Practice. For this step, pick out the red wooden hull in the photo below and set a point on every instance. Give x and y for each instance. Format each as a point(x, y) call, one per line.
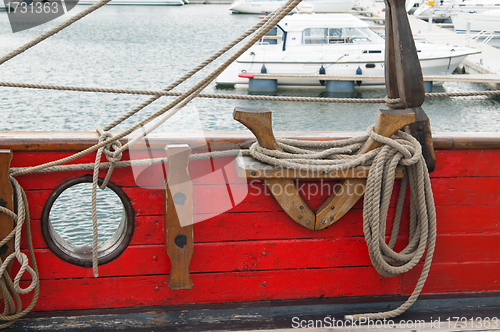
point(254, 251)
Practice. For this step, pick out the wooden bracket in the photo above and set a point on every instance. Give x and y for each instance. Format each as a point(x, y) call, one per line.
point(178, 216)
point(350, 191)
point(259, 121)
point(284, 190)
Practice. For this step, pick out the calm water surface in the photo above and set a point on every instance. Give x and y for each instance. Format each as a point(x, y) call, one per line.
point(149, 47)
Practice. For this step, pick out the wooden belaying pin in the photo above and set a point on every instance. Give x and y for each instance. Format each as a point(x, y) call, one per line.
point(178, 216)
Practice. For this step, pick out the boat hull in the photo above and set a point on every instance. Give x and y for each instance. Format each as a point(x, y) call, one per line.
point(247, 248)
point(138, 2)
point(483, 21)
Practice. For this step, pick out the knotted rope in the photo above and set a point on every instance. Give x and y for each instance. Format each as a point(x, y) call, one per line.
point(340, 155)
point(11, 288)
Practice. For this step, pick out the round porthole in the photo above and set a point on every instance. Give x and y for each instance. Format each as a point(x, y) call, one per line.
point(67, 222)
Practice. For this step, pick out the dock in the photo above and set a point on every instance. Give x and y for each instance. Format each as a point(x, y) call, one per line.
point(484, 63)
point(471, 78)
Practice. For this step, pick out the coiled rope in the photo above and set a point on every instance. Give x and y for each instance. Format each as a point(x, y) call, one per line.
point(11, 288)
point(340, 155)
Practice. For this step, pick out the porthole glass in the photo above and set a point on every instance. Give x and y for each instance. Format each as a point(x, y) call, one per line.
point(67, 221)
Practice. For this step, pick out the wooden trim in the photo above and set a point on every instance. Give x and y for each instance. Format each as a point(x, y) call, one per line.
point(77, 141)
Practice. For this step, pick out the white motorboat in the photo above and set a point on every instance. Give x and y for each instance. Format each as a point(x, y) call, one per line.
point(442, 10)
point(488, 21)
point(331, 44)
point(318, 6)
point(138, 2)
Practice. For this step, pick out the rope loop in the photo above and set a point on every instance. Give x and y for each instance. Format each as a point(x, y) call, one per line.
point(11, 288)
point(394, 103)
point(112, 151)
point(342, 154)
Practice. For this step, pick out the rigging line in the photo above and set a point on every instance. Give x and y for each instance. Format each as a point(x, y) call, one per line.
point(201, 95)
point(234, 96)
point(283, 10)
point(188, 74)
point(53, 31)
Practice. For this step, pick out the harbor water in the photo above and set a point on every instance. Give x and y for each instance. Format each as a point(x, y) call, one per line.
point(148, 47)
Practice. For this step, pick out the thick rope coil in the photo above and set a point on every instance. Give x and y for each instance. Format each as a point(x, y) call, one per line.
point(11, 288)
point(406, 152)
point(340, 155)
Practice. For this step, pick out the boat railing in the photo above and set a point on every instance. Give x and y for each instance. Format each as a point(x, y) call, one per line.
point(485, 35)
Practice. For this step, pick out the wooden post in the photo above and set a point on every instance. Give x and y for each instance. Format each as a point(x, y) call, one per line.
point(178, 216)
point(403, 75)
point(6, 200)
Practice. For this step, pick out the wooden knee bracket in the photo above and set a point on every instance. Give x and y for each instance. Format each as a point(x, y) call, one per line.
point(178, 216)
point(283, 188)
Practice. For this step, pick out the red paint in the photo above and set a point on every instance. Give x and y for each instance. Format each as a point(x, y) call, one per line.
point(254, 251)
point(245, 75)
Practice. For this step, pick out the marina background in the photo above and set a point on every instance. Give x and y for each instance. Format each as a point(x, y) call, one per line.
point(147, 47)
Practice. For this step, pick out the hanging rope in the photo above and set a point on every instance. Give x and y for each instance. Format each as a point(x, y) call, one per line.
point(340, 155)
point(11, 288)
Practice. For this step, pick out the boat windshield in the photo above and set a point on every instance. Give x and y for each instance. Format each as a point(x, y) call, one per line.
point(339, 36)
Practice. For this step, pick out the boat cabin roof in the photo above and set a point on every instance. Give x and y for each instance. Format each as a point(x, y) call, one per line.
point(299, 22)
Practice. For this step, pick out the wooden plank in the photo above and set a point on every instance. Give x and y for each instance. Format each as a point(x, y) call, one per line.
point(211, 171)
point(447, 191)
point(87, 293)
point(466, 191)
point(76, 141)
point(253, 226)
point(462, 277)
point(262, 285)
point(269, 255)
point(247, 167)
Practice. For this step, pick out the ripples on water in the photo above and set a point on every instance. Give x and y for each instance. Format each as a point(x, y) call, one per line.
point(149, 47)
point(71, 214)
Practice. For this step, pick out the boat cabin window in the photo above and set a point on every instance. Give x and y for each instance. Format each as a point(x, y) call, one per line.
point(339, 36)
point(315, 36)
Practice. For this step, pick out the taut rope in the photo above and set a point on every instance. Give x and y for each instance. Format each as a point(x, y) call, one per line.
point(340, 155)
point(393, 103)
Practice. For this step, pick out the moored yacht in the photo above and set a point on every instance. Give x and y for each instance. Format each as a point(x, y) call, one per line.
point(478, 21)
point(330, 44)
